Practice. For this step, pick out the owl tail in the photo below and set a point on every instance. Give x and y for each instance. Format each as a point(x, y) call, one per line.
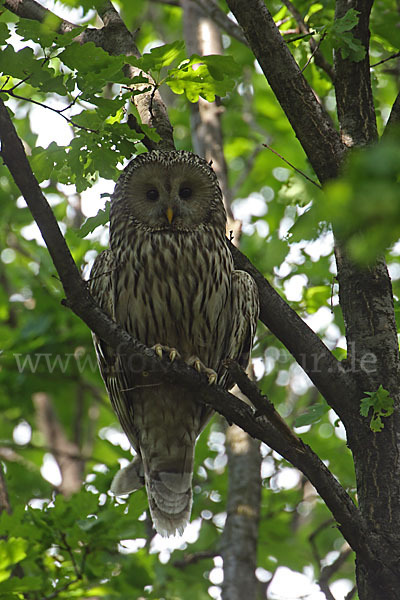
point(168, 481)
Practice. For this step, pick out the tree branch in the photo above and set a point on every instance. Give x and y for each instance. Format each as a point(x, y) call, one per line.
point(324, 370)
point(80, 301)
point(355, 105)
point(309, 120)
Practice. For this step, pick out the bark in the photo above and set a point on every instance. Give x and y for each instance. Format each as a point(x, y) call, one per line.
point(239, 540)
point(355, 106)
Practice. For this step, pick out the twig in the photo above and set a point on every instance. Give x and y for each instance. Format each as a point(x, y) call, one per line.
point(300, 37)
point(314, 52)
point(62, 588)
point(385, 60)
point(68, 549)
point(312, 537)
point(351, 593)
point(9, 92)
point(293, 167)
point(261, 403)
point(319, 57)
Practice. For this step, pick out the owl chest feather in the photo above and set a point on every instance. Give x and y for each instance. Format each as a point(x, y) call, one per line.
point(175, 289)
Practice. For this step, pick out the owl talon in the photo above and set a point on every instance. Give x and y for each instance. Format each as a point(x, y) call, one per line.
point(172, 353)
point(196, 363)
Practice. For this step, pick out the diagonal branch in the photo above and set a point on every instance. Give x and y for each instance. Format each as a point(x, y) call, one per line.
point(324, 370)
point(235, 410)
point(309, 120)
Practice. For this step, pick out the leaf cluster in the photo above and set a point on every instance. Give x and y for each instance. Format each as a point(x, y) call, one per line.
point(382, 406)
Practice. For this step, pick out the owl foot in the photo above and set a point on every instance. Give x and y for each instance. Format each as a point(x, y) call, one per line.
point(195, 362)
point(160, 350)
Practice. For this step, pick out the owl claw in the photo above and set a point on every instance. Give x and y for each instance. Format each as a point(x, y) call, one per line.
point(196, 363)
point(159, 349)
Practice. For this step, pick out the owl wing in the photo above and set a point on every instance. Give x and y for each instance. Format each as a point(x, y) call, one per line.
point(245, 311)
point(101, 286)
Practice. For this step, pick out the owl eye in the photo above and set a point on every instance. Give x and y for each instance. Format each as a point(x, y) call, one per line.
point(152, 194)
point(185, 192)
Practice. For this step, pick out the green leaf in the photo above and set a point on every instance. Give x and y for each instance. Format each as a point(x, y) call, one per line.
point(94, 66)
point(4, 33)
point(205, 76)
point(44, 161)
point(382, 406)
point(350, 46)
point(18, 64)
point(17, 585)
point(347, 22)
point(313, 415)
point(102, 218)
point(159, 57)
point(38, 32)
point(12, 551)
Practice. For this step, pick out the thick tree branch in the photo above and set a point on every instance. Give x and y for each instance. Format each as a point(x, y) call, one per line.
point(310, 122)
point(324, 370)
point(355, 105)
point(80, 301)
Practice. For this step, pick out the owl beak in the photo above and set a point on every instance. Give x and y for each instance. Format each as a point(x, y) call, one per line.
point(170, 214)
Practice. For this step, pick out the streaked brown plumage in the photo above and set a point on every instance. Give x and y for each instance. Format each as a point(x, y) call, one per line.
point(169, 279)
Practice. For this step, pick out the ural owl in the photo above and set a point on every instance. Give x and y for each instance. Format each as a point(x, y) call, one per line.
point(169, 280)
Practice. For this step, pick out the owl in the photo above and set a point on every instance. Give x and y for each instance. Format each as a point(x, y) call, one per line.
point(168, 279)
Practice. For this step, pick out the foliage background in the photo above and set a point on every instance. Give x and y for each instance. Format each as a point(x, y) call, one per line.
point(70, 539)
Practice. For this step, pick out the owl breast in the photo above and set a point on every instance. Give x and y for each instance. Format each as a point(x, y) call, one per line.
point(172, 290)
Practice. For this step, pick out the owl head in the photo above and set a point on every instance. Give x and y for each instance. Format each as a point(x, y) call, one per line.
point(171, 191)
